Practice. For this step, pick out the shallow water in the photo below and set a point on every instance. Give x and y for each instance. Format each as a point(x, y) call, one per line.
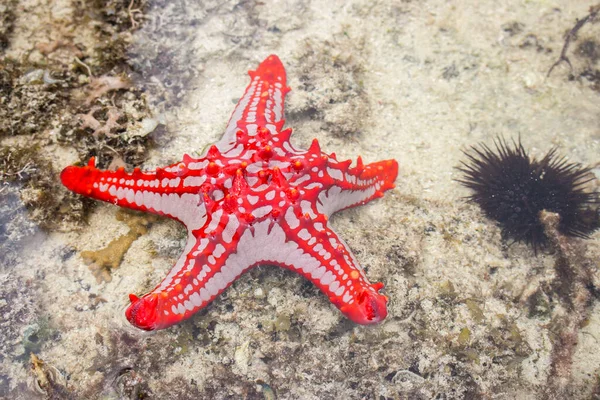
point(142, 83)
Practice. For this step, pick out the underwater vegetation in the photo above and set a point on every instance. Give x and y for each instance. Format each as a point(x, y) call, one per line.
point(103, 261)
point(467, 319)
point(513, 188)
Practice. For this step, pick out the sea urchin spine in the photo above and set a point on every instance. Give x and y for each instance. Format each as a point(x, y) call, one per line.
point(512, 188)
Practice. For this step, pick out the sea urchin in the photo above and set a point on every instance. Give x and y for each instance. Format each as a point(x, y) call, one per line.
point(512, 188)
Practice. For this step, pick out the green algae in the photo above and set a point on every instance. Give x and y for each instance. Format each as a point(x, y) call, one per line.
point(267, 391)
point(464, 336)
point(283, 323)
point(447, 290)
point(475, 310)
point(36, 335)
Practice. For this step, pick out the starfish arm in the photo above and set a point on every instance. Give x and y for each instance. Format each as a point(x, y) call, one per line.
point(160, 192)
point(262, 104)
point(349, 187)
point(325, 260)
point(204, 270)
point(311, 248)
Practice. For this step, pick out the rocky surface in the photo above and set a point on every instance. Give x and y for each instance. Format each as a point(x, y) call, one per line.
point(140, 83)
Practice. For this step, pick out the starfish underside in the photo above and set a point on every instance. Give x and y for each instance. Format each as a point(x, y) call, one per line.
point(253, 198)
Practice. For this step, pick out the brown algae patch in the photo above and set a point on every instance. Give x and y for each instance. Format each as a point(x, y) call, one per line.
point(31, 97)
point(103, 261)
point(25, 174)
point(7, 18)
point(47, 380)
point(69, 88)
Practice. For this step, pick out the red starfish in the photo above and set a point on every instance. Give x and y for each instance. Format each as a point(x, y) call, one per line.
point(252, 199)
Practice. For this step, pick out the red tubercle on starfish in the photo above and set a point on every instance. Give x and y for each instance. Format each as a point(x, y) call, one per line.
point(253, 198)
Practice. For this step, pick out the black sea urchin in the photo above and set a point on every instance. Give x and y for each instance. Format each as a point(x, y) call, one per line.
point(512, 189)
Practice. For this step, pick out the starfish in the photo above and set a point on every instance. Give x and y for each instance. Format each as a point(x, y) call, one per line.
point(252, 198)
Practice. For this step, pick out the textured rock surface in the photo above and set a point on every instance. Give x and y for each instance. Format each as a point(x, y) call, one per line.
point(471, 316)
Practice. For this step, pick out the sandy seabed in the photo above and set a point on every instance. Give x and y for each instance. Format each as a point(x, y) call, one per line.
point(470, 315)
